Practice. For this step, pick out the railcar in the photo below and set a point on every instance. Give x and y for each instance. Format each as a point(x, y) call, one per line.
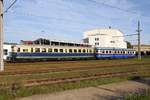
point(111, 53)
point(46, 52)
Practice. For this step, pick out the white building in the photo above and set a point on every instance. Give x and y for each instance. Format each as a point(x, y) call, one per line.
point(7, 49)
point(105, 38)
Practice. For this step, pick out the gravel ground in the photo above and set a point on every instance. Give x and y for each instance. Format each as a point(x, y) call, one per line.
point(104, 92)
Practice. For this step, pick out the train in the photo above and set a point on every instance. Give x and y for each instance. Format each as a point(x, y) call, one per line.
point(62, 51)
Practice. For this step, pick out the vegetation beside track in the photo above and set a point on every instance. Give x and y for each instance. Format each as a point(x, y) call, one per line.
point(73, 69)
point(145, 95)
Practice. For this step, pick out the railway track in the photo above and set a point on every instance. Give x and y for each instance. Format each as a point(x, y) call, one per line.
point(47, 70)
point(38, 82)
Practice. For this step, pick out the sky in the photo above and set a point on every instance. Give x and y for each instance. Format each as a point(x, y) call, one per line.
point(66, 20)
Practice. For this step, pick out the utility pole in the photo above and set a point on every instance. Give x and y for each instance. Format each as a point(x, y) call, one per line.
point(1, 36)
point(139, 41)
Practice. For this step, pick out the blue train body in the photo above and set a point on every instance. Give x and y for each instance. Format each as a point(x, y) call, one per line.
point(67, 53)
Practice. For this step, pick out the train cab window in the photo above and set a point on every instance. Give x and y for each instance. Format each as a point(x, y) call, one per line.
point(61, 50)
point(37, 49)
point(70, 50)
point(84, 51)
point(75, 50)
point(79, 50)
point(18, 50)
point(49, 49)
point(43, 49)
point(5, 52)
point(55, 50)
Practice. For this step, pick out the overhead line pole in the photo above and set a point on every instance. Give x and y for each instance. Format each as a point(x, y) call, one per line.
point(1, 36)
point(139, 40)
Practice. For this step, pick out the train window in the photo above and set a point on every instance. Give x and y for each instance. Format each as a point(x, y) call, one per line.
point(103, 51)
point(90, 51)
point(115, 52)
point(61, 50)
point(25, 50)
point(55, 50)
point(49, 49)
point(43, 49)
point(66, 50)
point(79, 50)
point(123, 52)
point(75, 50)
point(106, 51)
point(5, 52)
point(37, 49)
point(18, 50)
point(84, 51)
point(31, 49)
point(87, 51)
point(110, 52)
point(70, 50)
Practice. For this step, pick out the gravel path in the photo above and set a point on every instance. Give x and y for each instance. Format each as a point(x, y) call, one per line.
point(104, 92)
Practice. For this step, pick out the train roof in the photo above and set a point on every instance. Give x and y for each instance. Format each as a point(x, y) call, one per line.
point(110, 48)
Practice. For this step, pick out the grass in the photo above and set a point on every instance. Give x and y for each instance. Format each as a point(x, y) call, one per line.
point(7, 94)
point(140, 96)
point(21, 91)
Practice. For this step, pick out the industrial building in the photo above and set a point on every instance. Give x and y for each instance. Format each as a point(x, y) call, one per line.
point(145, 49)
point(112, 38)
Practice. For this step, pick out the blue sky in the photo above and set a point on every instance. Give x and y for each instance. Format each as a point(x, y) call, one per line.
point(68, 19)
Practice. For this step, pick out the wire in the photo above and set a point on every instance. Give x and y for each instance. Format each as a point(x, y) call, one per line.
point(111, 6)
point(10, 6)
point(126, 35)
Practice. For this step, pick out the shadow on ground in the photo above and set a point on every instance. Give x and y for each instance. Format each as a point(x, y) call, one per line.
point(118, 94)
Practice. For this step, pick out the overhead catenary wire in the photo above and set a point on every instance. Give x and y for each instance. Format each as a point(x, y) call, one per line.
point(11, 5)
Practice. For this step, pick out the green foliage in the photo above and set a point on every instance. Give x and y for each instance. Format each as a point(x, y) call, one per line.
point(141, 96)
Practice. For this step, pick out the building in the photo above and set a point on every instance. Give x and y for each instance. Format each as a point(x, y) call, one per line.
point(111, 38)
point(7, 48)
point(145, 49)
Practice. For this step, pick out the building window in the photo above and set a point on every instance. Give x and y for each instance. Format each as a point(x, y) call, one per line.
point(112, 41)
point(5, 52)
point(96, 39)
point(96, 43)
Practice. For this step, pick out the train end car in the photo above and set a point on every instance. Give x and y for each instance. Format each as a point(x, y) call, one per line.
point(111, 53)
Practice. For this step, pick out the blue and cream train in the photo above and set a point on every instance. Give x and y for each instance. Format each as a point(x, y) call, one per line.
point(25, 52)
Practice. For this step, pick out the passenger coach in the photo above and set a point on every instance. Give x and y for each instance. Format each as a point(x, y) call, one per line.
point(101, 53)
